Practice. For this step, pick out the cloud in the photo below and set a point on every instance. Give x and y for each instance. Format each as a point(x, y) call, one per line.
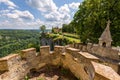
point(52, 15)
point(12, 18)
point(74, 5)
point(16, 24)
point(4, 11)
point(17, 14)
point(57, 19)
point(9, 3)
point(43, 5)
point(60, 16)
point(64, 9)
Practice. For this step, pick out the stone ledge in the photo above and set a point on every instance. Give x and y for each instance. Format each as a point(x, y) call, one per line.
point(44, 46)
point(105, 71)
point(27, 50)
point(88, 55)
point(73, 49)
point(8, 57)
point(59, 46)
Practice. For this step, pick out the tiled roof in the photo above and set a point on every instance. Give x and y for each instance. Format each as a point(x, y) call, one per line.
point(106, 36)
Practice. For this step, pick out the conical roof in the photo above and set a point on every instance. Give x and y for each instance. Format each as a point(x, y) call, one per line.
point(106, 36)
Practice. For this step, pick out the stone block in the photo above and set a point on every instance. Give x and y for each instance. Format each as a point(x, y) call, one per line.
point(44, 50)
point(3, 65)
point(59, 49)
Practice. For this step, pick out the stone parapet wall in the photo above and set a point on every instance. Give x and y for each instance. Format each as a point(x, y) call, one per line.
point(18, 65)
point(105, 52)
point(78, 60)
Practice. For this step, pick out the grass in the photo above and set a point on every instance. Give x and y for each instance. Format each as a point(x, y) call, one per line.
point(71, 35)
point(71, 38)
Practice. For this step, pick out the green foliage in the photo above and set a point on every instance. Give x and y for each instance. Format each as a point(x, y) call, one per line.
point(91, 17)
point(69, 28)
point(43, 28)
point(67, 38)
point(71, 35)
point(18, 40)
point(56, 30)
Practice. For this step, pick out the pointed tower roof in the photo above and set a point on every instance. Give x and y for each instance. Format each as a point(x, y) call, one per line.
point(106, 36)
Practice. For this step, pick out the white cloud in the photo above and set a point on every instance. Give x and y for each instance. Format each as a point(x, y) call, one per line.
point(54, 15)
point(17, 14)
point(56, 19)
point(74, 5)
point(12, 18)
point(16, 24)
point(43, 5)
point(64, 9)
point(9, 3)
point(4, 11)
point(51, 14)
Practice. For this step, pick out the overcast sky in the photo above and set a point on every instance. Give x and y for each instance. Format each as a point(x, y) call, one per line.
point(31, 14)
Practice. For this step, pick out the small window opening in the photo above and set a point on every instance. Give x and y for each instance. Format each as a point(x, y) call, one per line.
point(104, 44)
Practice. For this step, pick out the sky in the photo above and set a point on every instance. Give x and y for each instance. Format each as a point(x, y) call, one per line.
point(31, 14)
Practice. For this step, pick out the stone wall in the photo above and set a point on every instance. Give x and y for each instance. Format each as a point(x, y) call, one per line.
point(106, 54)
point(18, 65)
point(78, 60)
point(98, 50)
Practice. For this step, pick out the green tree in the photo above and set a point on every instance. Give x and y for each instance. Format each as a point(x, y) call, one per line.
point(91, 17)
point(64, 28)
point(43, 28)
point(68, 28)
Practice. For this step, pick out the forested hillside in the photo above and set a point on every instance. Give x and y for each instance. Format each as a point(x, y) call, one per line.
point(12, 41)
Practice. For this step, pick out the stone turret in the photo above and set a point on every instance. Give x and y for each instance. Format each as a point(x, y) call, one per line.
point(105, 39)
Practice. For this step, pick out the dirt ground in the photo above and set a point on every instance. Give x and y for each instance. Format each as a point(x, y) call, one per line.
point(51, 73)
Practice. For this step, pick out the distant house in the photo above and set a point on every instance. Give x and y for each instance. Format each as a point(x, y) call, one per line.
point(56, 30)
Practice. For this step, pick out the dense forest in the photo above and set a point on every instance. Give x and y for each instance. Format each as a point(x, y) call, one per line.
point(91, 19)
point(12, 41)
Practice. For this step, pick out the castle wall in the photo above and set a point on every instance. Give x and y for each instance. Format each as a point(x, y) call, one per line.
point(75, 67)
point(30, 56)
point(98, 50)
point(77, 60)
point(15, 69)
point(103, 51)
point(19, 65)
